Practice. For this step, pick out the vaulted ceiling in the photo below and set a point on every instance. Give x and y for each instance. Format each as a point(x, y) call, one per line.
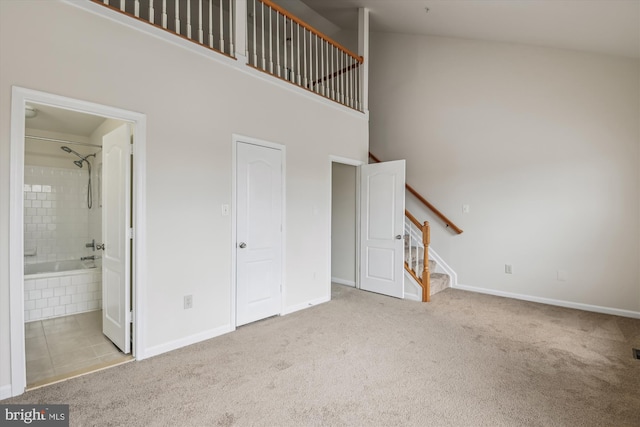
point(601, 26)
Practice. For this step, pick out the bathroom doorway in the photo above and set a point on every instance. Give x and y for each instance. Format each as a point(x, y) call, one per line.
point(65, 195)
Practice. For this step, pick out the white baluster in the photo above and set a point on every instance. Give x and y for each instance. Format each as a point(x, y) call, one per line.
point(278, 43)
point(189, 19)
point(200, 30)
point(152, 12)
point(136, 8)
point(292, 76)
point(221, 27)
point(284, 46)
point(177, 17)
point(298, 52)
point(264, 60)
point(210, 23)
point(304, 56)
point(270, 40)
point(231, 33)
point(255, 29)
point(164, 13)
point(122, 5)
point(317, 81)
point(320, 77)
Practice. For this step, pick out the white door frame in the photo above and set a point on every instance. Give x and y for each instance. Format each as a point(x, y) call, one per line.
point(357, 164)
point(19, 97)
point(236, 139)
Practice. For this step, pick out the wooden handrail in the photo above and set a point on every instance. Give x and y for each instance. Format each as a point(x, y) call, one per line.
point(448, 223)
point(300, 22)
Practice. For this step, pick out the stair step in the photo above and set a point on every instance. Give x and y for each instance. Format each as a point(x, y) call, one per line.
point(438, 283)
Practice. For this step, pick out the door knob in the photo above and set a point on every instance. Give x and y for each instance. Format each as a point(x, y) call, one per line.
point(399, 237)
point(242, 245)
point(100, 247)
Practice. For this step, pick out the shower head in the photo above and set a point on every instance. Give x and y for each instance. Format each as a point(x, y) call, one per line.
point(69, 150)
point(78, 163)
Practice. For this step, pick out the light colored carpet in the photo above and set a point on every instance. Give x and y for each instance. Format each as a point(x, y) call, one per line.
point(363, 359)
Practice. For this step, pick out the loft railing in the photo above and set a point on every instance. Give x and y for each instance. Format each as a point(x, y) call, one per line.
point(208, 23)
point(285, 46)
point(447, 222)
point(277, 42)
point(417, 238)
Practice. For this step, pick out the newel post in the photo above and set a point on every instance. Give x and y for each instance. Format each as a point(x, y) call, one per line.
point(363, 51)
point(426, 274)
point(240, 28)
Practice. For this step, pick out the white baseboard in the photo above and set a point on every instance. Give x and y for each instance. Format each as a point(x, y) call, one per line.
point(304, 305)
point(183, 342)
point(5, 392)
point(351, 283)
point(559, 303)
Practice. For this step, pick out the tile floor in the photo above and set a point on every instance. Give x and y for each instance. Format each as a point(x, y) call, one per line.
point(66, 346)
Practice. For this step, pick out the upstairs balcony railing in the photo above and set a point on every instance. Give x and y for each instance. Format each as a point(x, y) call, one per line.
point(286, 47)
point(277, 42)
point(206, 22)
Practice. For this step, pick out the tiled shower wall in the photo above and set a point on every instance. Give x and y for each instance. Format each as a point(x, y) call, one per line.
point(56, 217)
point(62, 295)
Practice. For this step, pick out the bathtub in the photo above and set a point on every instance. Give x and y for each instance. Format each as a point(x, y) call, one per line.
point(61, 288)
point(57, 266)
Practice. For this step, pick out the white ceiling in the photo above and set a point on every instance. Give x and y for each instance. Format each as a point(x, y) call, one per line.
point(601, 26)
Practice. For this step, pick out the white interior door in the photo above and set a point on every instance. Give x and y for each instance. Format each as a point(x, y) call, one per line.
point(258, 232)
point(116, 222)
point(382, 226)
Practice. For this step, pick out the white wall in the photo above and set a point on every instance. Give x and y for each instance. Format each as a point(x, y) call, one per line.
point(193, 105)
point(543, 144)
point(343, 224)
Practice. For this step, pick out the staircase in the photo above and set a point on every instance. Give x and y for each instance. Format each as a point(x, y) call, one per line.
point(421, 283)
point(426, 273)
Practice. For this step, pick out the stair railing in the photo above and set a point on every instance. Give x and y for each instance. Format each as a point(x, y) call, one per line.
point(286, 47)
point(417, 238)
point(447, 222)
point(209, 23)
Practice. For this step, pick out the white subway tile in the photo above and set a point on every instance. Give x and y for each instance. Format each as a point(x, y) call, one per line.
point(53, 282)
point(59, 292)
point(36, 188)
point(33, 295)
point(47, 293)
point(92, 305)
point(47, 312)
point(82, 306)
point(35, 314)
point(75, 298)
point(59, 310)
point(41, 303)
point(42, 283)
point(29, 285)
point(53, 302)
point(65, 299)
point(29, 305)
point(70, 308)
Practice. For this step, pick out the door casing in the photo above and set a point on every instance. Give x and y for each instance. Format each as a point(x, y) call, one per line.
point(20, 97)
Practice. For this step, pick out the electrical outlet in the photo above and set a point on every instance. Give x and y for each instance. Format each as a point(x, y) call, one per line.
point(465, 209)
point(508, 269)
point(188, 301)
